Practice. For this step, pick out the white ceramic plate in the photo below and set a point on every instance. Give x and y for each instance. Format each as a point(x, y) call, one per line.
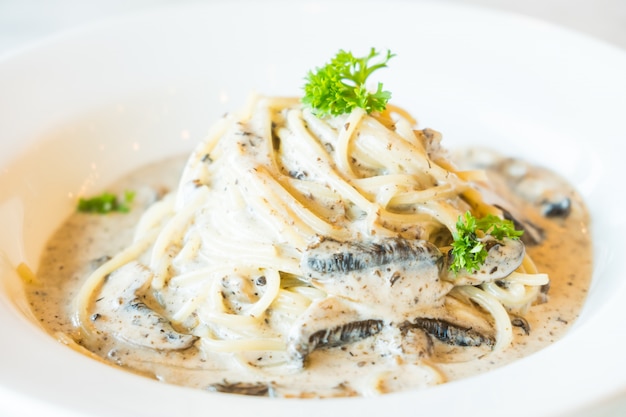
point(82, 109)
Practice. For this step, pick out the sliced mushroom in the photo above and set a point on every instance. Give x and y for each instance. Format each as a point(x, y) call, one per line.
point(328, 323)
point(503, 257)
point(257, 389)
point(448, 332)
point(557, 207)
point(392, 276)
point(331, 257)
point(345, 333)
point(521, 322)
point(122, 309)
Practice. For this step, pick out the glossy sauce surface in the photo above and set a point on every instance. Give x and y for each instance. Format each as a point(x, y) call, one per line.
point(83, 240)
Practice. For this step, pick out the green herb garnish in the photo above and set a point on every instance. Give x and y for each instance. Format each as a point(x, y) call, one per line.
point(497, 227)
point(468, 252)
point(106, 203)
point(339, 86)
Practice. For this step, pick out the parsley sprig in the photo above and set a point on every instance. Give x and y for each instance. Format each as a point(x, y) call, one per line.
point(340, 86)
point(468, 251)
point(106, 203)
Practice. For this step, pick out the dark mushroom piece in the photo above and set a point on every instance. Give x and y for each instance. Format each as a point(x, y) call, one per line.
point(123, 310)
point(521, 322)
point(256, 389)
point(329, 323)
point(448, 332)
point(340, 335)
point(332, 257)
point(390, 275)
point(560, 208)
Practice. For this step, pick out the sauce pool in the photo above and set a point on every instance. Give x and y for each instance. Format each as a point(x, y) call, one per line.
point(84, 240)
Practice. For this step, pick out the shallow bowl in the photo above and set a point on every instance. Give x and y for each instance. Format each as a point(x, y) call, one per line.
point(79, 110)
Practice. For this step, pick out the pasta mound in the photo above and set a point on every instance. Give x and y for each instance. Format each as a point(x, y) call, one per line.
point(229, 258)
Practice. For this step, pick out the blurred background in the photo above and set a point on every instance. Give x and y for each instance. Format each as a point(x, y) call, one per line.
point(26, 21)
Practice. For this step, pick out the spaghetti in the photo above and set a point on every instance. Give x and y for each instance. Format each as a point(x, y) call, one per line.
point(229, 262)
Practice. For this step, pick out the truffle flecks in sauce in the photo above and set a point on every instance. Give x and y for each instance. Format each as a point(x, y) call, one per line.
point(360, 367)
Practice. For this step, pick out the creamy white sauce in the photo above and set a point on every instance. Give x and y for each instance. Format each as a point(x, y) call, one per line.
point(354, 369)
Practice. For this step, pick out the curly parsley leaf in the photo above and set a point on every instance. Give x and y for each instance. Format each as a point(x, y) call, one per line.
point(468, 251)
point(497, 227)
point(106, 203)
point(340, 86)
